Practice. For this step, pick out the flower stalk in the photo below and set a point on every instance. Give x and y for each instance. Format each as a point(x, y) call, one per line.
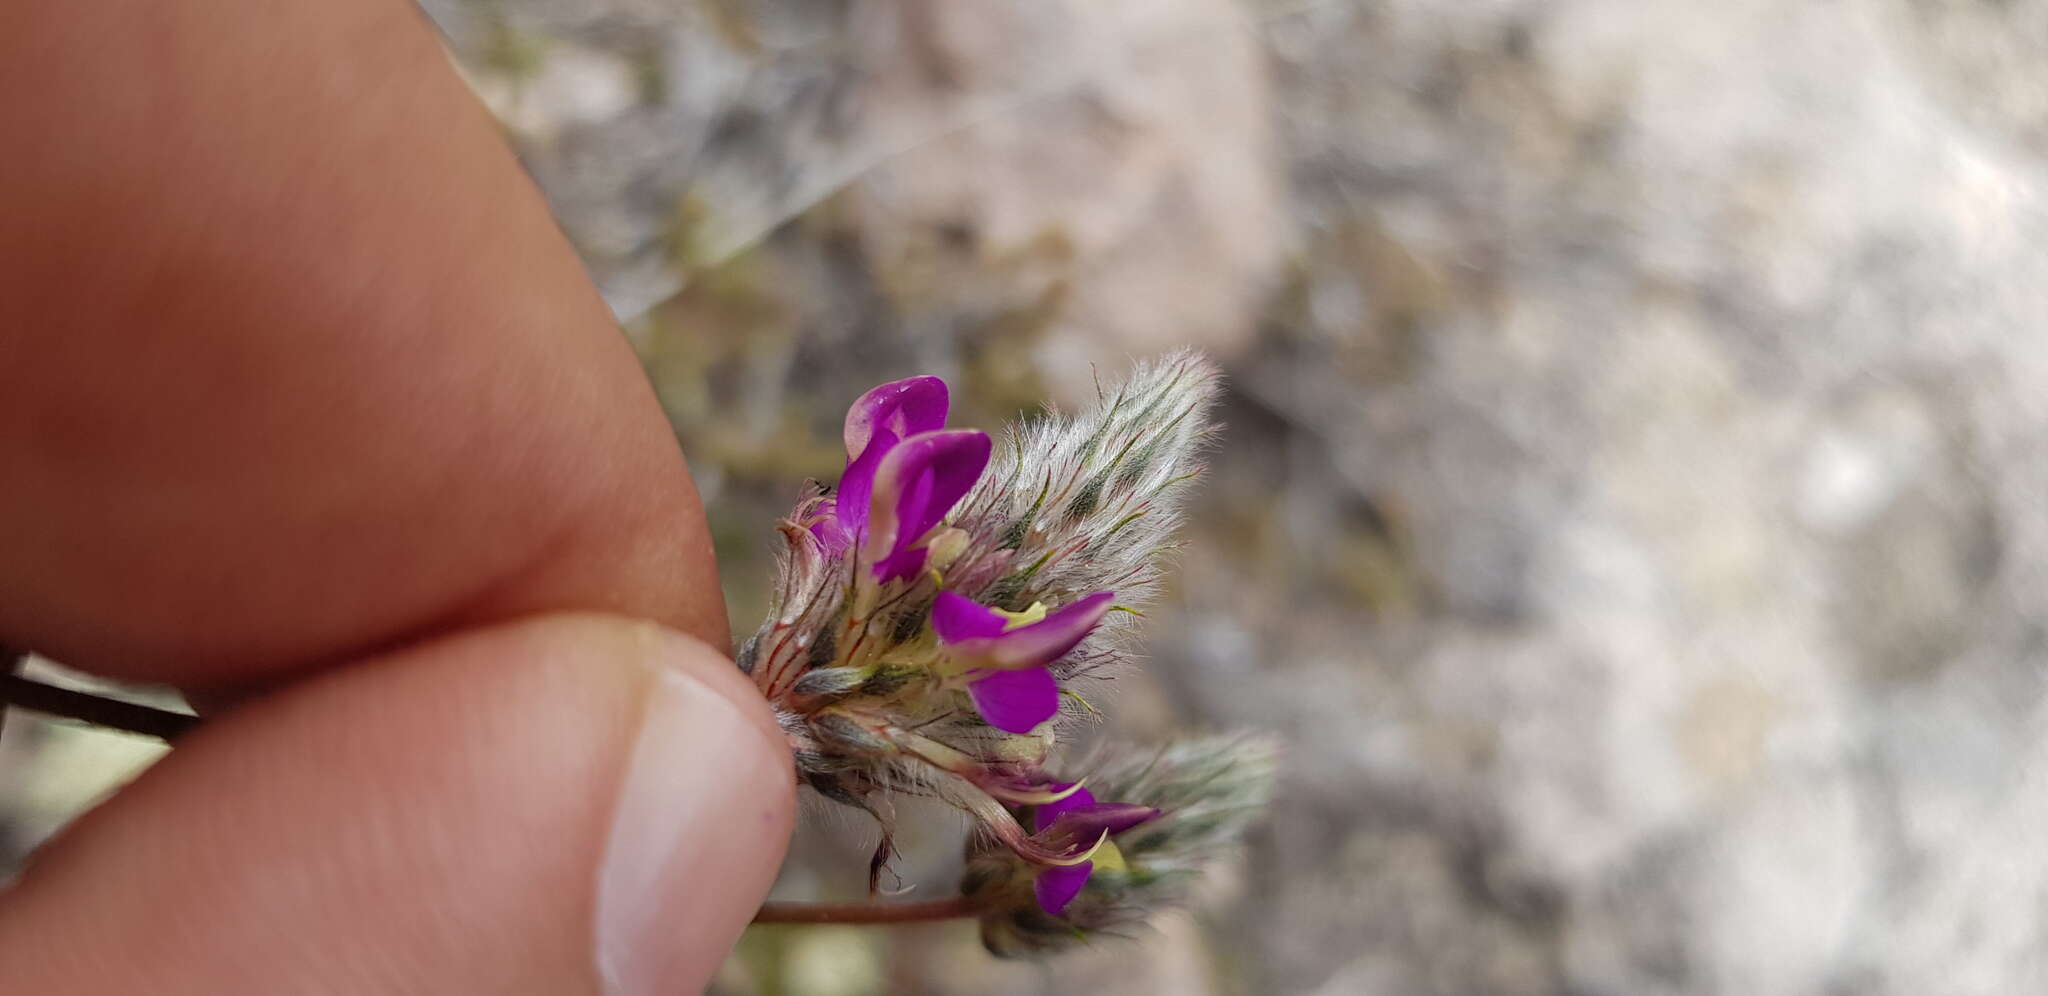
point(952, 908)
point(19, 692)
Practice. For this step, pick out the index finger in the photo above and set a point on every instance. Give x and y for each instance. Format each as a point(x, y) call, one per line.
point(296, 364)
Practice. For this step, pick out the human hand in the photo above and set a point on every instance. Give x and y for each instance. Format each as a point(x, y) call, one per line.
point(306, 402)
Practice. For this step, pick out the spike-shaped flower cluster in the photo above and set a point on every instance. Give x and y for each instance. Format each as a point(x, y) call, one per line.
point(1207, 790)
point(938, 614)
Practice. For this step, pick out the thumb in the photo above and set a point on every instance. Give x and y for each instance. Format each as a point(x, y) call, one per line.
point(561, 805)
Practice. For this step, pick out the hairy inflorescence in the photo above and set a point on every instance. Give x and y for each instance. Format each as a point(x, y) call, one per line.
point(940, 615)
point(1207, 791)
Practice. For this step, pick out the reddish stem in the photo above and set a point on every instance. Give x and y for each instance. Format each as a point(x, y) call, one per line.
point(23, 693)
point(869, 913)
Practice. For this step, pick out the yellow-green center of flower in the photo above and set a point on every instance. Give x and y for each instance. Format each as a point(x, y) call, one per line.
point(1108, 858)
point(1036, 613)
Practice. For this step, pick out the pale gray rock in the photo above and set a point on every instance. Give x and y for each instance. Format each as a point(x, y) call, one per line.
point(1693, 353)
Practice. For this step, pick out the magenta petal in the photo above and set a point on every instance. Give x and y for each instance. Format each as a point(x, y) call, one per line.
point(958, 618)
point(876, 423)
point(857, 485)
point(908, 559)
point(1044, 813)
point(917, 482)
point(1036, 645)
point(1057, 886)
point(901, 408)
point(830, 530)
point(900, 565)
point(1080, 827)
point(1016, 701)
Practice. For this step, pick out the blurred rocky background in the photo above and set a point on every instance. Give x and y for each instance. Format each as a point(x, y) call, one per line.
point(1633, 508)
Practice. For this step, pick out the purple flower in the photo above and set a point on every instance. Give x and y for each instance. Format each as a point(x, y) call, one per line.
point(904, 472)
point(1015, 701)
point(1080, 818)
point(918, 481)
point(1006, 654)
point(894, 412)
point(833, 536)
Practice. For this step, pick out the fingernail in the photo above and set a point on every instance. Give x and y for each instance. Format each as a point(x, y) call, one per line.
point(698, 829)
